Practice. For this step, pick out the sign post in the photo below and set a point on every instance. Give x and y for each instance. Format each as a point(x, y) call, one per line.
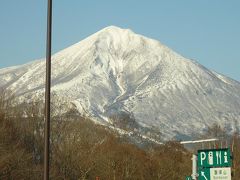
point(194, 167)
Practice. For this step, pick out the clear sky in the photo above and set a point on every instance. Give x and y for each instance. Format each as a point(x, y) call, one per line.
point(207, 31)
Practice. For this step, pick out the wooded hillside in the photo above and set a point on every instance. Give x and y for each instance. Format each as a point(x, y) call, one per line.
point(82, 150)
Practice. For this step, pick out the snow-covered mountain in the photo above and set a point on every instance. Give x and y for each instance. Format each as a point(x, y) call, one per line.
point(116, 71)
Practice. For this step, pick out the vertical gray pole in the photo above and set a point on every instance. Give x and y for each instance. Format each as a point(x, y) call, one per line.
point(194, 166)
point(47, 92)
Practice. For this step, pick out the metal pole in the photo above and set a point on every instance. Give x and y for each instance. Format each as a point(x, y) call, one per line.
point(47, 91)
point(194, 167)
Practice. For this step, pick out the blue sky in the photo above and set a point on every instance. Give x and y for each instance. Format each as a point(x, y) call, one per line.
point(206, 31)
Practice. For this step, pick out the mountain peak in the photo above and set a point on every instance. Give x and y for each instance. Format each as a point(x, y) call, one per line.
point(112, 27)
point(113, 38)
point(115, 34)
point(115, 29)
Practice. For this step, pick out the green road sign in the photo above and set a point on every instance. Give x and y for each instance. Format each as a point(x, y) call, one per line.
point(214, 158)
point(204, 174)
point(188, 178)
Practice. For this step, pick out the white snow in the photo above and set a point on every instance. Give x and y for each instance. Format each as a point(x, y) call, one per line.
point(117, 70)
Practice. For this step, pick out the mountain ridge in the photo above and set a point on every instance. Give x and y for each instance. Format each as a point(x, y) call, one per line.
point(116, 70)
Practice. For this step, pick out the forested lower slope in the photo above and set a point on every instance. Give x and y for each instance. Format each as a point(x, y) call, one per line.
point(80, 149)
